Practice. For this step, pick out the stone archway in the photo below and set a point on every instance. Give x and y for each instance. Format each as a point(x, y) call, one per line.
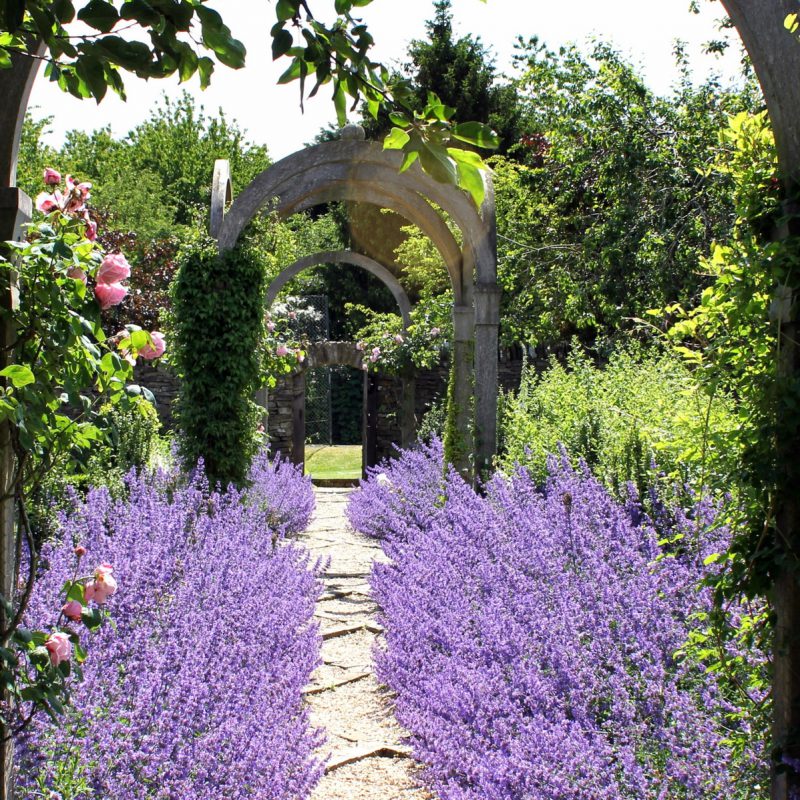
point(344, 257)
point(353, 169)
point(342, 354)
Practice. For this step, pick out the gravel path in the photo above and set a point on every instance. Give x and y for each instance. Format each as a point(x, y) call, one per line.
point(367, 760)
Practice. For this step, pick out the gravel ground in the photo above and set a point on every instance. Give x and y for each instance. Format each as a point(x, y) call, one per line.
point(367, 759)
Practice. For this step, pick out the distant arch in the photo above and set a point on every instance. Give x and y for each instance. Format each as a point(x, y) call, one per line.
point(344, 257)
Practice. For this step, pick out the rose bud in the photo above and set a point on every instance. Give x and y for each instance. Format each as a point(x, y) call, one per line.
point(52, 177)
point(72, 610)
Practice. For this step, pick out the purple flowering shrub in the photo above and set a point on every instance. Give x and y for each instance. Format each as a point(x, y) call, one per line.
point(534, 641)
point(407, 489)
point(279, 487)
point(195, 689)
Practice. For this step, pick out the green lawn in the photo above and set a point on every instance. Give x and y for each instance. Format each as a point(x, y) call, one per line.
point(333, 461)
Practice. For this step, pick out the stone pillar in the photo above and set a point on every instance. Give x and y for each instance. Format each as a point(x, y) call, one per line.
point(299, 418)
point(487, 323)
point(463, 360)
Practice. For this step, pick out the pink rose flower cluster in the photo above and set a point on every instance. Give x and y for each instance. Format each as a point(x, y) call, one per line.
point(109, 289)
point(71, 201)
point(98, 588)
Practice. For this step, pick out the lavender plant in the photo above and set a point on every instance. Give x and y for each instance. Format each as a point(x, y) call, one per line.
point(536, 640)
point(196, 690)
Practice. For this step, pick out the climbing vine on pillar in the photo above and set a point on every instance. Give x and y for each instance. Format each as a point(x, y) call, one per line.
point(218, 306)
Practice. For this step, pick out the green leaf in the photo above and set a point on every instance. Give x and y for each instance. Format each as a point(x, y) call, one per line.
point(282, 42)
point(217, 37)
point(140, 11)
point(396, 139)
point(294, 71)
point(19, 374)
point(470, 177)
point(343, 6)
point(478, 134)
point(205, 68)
point(791, 23)
point(287, 9)
point(340, 103)
point(410, 157)
point(437, 163)
point(100, 15)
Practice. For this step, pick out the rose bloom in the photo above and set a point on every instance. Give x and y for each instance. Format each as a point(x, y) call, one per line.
point(360, 345)
point(46, 202)
point(270, 326)
point(282, 350)
point(157, 349)
point(103, 586)
point(435, 331)
point(77, 274)
point(300, 356)
point(398, 338)
point(115, 268)
point(72, 610)
point(110, 294)
point(52, 177)
point(59, 646)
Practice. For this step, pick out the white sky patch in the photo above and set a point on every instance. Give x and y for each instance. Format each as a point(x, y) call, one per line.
point(644, 31)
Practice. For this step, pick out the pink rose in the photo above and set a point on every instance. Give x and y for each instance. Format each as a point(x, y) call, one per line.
point(76, 273)
point(110, 294)
point(435, 331)
point(375, 356)
point(300, 356)
point(282, 350)
point(157, 349)
point(292, 315)
point(52, 177)
point(90, 231)
point(46, 202)
point(270, 326)
point(398, 338)
point(80, 550)
point(360, 345)
point(115, 268)
point(103, 586)
point(59, 646)
point(72, 610)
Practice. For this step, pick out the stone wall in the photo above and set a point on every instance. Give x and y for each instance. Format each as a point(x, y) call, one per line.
point(431, 385)
point(163, 384)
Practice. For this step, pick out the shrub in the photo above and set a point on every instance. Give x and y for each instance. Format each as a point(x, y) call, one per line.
point(642, 407)
point(534, 641)
point(196, 690)
point(218, 327)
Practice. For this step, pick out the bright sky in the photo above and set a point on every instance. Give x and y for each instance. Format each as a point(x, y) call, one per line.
point(271, 114)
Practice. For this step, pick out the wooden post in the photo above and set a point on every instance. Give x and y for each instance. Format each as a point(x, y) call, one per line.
point(299, 418)
point(370, 434)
